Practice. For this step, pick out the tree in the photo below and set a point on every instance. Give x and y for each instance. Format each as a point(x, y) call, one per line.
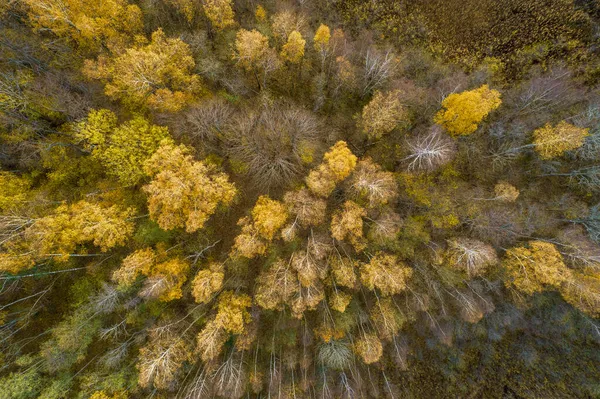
point(293, 50)
point(471, 256)
point(253, 54)
point(158, 75)
point(343, 271)
point(385, 273)
point(92, 25)
point(208, 282)
point(373, 185)
point(382, 114)
point(15, 190)
point(430, 151)
point(387, 319)
point(307, 209)
point(165, 276)
point(64, 232)
point(583, 292)
point(321, 38)
point(272, 143)
point(123, 149)
point(162, 358)
point(286, 22)
point(219, 13)
point(249, 243)
point(348, 223)
point(462, 112)
point(506, 192)
point(551, 142)
point(232, 314)
point(268, 216)
point(184, 192)
point(369, 348)
point(535, 267)
point(338, 163)
point(276, 286)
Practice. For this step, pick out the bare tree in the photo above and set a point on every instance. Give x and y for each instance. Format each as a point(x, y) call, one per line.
point(431, 150)
point(274, 143)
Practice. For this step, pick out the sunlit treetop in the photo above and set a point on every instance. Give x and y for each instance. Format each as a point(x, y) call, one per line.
point(184, 192)
point(322, 36)
point(293, 50)
point(123, 149)
point(337, 164)
point(158, 75)
point(93, 25)
point(535, 267)
point(551, 142)
point(461, 113)
point(219, 13)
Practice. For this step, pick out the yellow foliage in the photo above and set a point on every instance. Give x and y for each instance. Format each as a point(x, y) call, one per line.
point(122, 150)
point(91, 24)
point(219, 13)
point(535, 267)
point(184, 192)
point(207, 282)
point(249, 243)
point(369, 348)
point(13, 191)
point(322, 36)
point(140, 262)
point(260, 13)
point(462, 112)
point(385, 273)
point(72, 225)
point(338, 163)
point(232, 313)
point(165, 276)
point(348, 223)
point(308, 209)
point(382, 114)
point(387, 319)
point(251, 49)
point(268, 216)
point(293, 50)
point(158, 75)
point(339, 301)
point(551, 142)
point(506, 192)
point(342, 270)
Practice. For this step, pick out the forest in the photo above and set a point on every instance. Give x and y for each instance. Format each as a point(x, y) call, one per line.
point(299, 199)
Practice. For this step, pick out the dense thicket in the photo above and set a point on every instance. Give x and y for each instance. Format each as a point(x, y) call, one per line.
point(341, 199)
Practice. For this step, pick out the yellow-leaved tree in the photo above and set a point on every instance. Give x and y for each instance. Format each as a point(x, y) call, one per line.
point(321, 38)
point(386, 273)
point(219, 13)
point(337, 164)
point(347, 223)
point(208, 282)
point(268, 216)
point(93, 25)
point(123, 149)
point(64, 232)
point(551, 142)
point(158, 75)
point(534, 267)
point(184, 192)
point(462, 112)
point(382, 114)
point(293, 50)
point(165, 276)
